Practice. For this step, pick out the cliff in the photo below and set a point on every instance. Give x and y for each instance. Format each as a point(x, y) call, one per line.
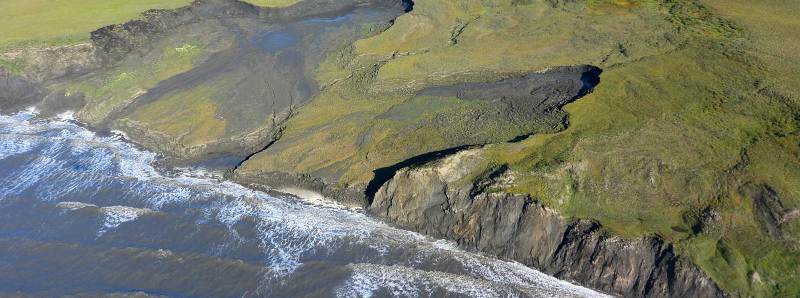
point(429, 198)
point(643, 150)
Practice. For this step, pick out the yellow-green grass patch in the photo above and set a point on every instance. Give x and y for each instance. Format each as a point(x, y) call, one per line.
point(56, 22)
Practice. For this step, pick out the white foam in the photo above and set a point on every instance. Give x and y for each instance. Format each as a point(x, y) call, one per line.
point(200, 173)
point(66, 116)
point(117, 215)
point(120, 134)
point(10, 145)
point(32, 110)
point(311, 197)
point(287, 230)
point(113, 216)
point(74, 205)
point(401, 281)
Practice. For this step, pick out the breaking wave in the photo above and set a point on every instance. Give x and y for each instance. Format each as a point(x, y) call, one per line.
point(59, 162)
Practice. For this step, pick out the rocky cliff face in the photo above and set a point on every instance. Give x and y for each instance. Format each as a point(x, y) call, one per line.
point(439, 194)
point(51, 63)
point(442, 200)
point(19, 90)
point(16, 92)
point(467, 115)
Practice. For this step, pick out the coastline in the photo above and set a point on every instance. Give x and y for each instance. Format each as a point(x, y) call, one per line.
point(128, 214)
point(418, 194)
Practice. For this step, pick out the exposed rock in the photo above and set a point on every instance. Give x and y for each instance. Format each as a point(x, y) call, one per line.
point(509, 109)
point(270, 181)
point(440, 200)
point(17, 92)
point(49, 63)
point(260, 77)
point(770, 211)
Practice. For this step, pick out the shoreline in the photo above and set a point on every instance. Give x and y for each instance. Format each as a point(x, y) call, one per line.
point(588, 234)
point(318, 200)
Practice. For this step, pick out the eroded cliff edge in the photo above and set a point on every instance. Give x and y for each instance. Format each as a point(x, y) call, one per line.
point(446, 198)
point(492, 108)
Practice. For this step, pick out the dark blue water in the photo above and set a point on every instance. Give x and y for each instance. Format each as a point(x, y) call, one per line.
point(82, 213)
point(273, 41)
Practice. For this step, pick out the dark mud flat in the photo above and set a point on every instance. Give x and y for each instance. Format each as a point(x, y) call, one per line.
point(266, 74)
point(527, 104)
point(255, 66)
point(530, 94)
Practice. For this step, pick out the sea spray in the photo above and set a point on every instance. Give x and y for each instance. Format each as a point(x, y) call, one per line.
point(106, 182)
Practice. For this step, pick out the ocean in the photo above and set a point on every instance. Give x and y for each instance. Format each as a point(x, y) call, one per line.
point(88, 214)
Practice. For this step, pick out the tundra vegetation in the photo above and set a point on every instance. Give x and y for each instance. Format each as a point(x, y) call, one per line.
point(693, 134)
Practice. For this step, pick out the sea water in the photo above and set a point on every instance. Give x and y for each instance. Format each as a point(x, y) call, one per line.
point(88, 213)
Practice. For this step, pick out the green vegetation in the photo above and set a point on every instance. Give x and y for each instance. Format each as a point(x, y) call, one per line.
point(109, 92)
point(696, 113)
point(695, 106)
point(197, 112)
point(12, 65)
point(420, 51)
point(47, 22)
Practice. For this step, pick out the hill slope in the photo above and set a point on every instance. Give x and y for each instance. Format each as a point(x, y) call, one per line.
point(666, 131)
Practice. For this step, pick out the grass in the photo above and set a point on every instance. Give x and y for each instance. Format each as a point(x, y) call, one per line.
point(696, 102)
point(61, 22)
point(14, 66)
point(670, 135)
point(58, 22)
point(107, 93)
point(501, 37)
point(429, 58)
point(199, 123)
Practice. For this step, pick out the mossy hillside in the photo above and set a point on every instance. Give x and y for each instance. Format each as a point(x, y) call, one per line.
point(349, 111)
point(109, 91)
point(200, 123)
point(697, 106)
point(689, 112)
point(47, 23)
point(657, 176)
point(202, 115)
point(445, 41)
point(772, 27)
point(374, 133)
point(250, 72)
point(670, 137)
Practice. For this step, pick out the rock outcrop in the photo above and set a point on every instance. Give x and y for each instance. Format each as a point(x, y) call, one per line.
point(440, 199)
point(436, 194)
point(251, 65)
point(771, 214)
point(16, 92)
point(51, 63)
